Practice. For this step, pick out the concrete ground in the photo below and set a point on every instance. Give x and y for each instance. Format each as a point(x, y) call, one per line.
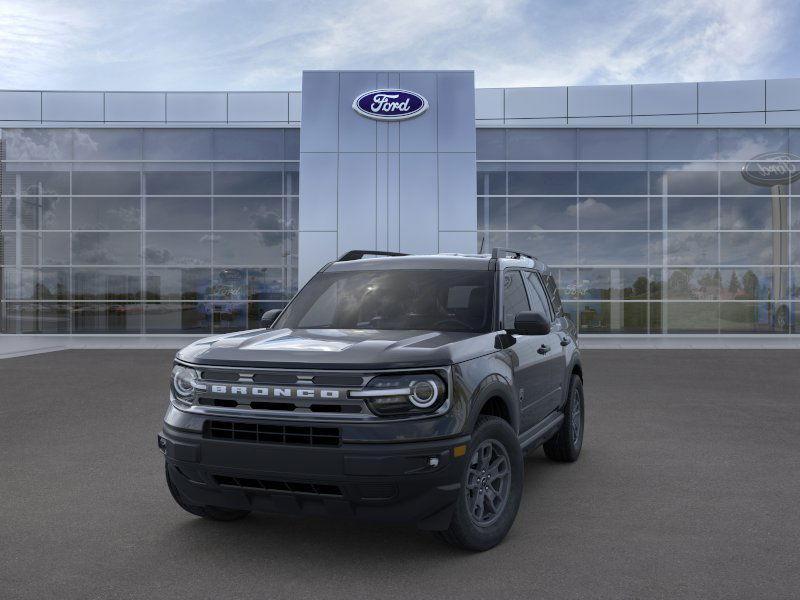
point(688, 487)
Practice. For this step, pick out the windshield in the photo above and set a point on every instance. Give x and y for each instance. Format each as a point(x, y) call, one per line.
point(435, 300)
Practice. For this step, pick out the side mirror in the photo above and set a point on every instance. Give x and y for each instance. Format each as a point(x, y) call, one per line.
point(268, 318)
point(531, 323)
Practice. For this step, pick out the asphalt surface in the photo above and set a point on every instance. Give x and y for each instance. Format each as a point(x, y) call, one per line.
point(687, 487)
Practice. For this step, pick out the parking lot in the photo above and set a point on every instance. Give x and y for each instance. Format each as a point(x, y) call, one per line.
point(688, 487)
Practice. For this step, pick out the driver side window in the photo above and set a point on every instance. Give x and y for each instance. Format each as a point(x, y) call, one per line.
point(515, 299)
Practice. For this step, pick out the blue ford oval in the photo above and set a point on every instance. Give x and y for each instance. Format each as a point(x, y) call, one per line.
point(390, 105)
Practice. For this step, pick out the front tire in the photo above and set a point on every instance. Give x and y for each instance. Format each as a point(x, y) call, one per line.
point(215, 513)
point(565, 445)
point(491, 488)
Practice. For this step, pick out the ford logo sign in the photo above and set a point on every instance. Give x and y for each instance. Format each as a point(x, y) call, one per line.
point(390, 105)
point(772, 168)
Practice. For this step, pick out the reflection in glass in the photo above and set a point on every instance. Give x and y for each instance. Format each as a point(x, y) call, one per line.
point(754, 213)
point(172, 212)
point(36, 183)
point(613, 248)
point(104, 248)
point(117, 183)
point(106, 284)
point(36, 317)
point(38, 144)
point(177, 183)
point(177, 284)
point(613, 182)
point(613, 317)
point(176, 317)
point(105, 213)
point(541, 213)
point(107, 317)
point(37, 284)
point(692, 213)
point(612, 144)
point(693, 284)
point(491, 144)
point(552, 248)
point(178, 248)
point(250, 182)
point(522, 181)
point(46, 248)
point(248, 144)
point(755, 283)
point(541, 144)
point(682, 144)
point(612, 213)
point(44, 212)
point(249, 213)
point(252, 248)
point(750, 248)
point(690, 317)
point(692, 248)
point(491, 180)
point(751, 317)
point(613, 284)
point(107, 144)
point(229, 316)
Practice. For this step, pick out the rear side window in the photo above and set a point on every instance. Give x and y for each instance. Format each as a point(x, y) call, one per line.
point(538, 297)
point(555, 298)
point(515, 298)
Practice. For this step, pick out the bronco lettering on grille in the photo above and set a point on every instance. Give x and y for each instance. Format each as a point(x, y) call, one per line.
point(275, 392)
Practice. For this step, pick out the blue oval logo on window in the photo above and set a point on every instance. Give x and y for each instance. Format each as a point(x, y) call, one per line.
point(390, 105)
point(772, 168)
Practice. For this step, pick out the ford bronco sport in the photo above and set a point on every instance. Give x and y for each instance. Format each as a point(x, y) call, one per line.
point(392, 387)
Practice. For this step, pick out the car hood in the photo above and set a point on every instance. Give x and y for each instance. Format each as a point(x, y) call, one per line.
point(337, 348)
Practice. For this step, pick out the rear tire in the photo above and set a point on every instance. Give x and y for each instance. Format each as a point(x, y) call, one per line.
point(565, 445)
point(491, 488)
point(215, 513)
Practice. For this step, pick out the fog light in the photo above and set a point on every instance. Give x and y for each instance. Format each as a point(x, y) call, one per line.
point(433, 461)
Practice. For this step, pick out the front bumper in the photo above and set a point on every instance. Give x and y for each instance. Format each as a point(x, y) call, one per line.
point(407, 482)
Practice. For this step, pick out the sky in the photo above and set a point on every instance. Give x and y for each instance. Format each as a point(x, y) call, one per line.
point(265, 45)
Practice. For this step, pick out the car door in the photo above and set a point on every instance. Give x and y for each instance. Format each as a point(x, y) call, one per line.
point(529, 365)
point(554, 356)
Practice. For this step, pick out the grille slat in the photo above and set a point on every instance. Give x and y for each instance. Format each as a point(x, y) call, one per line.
point(316, 489)
point(273, 434)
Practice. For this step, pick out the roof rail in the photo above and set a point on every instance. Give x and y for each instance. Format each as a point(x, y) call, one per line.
point(359, 254)
point(504, 252)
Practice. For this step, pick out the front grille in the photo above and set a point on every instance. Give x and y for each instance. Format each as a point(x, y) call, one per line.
point(273, 434)
point(318, 489)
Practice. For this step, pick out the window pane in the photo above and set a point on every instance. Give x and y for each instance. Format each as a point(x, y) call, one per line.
point(178, 144)
point(693, 284)
point(746, 144)
point(749, 248)
point(613, 182)
point(248, 144)
point(612, 213)
point(691, 317)
point(174, 212)
point(733, 182)
point(107, 318)
point(253, 248)
point(682, 144)
point(267, 284)
point(491, 179)
point(178, 183)
point(492, 213)
point(490, 144)
point(36, 284)
point(229, 316)
point(750, 317)
point(515, 298)
point(178, 248)
point(176, 317)
point(35, 183)
point(552, 248)
point(613, 284)
point(107, 144)
point(106, 284)
point(249, 182)
point(38, 144)
point(118, 183)
point(754, 213)
point(542, 213)
point(684, 183)
point(8, 214)
point(692, 213)
point(105, 213)
point(613, 317)
point(541, 144)
point(522, 181)
point(177, 284)
point(608, 144)
point(692, 248)
point(105, 248)
point(754, 283)
point(248, 213)
point(291, 144)
point(613, 248)
point(50, 248)
point(34, 317)
point(44, 212)
point(291, 179)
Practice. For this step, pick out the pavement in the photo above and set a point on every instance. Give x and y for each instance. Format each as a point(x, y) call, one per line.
point(687, 487)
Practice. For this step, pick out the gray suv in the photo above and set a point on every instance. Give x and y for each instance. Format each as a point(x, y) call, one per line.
point(394, 388)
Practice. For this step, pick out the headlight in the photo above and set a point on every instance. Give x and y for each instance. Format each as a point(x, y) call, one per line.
point(183, 382)
point(398, 395)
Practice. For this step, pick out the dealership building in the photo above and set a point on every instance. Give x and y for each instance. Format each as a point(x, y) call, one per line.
point(663, 209)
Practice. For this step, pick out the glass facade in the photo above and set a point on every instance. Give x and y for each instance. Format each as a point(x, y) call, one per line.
point(146, 230)
point(649, 230)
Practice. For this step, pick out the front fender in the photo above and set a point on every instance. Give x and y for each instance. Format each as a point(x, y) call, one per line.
point(482, 379)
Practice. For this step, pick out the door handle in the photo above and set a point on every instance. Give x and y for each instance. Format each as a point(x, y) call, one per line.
point(565, 341)
point(543, 349)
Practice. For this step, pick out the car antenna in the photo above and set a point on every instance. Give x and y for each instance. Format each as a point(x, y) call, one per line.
point(483, 239)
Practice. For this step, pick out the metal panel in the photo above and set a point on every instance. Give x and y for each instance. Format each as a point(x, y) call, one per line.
point(732, 119)
point(135, 107)
point(295, 101)
point(456, 118)
point(418, 206)
point(319, 248)
point(665, 120)
point(258, 106)
point(783, 94)
point(356, 133)
point(419, 133)
point(493, 122)
point(356, 206)
point(489, 103)
point(381, 198)
point(664, 98)
point(393, 200)
point(537, 122)
point(730, 96)
point(784, 118)
point(599, 100)
point(601, 121)
point(320, 130)
point(318, 185)
point(197, 107)
point(20, 106)
point(72, 106)
point(458, 241)
point(536, 103)
point(457, 192)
